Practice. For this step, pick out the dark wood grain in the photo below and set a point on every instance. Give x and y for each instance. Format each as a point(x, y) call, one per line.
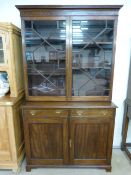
point(68, 136)
point(102, 141)
point(20, 7)
point(46, 139)
point(85, 141)
point(90, 139)
point(45, 143)
point(68, 105)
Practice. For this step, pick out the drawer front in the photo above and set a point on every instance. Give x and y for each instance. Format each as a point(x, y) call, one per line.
point(92, 112)
point(46, 113)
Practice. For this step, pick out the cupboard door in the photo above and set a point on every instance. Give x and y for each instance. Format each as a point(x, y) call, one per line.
point(4, 137)
point(45, 55)
point(46, 139)
point(92, 57)
point(90, 140)
point(3, 50)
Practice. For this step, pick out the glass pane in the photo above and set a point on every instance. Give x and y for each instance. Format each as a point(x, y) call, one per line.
point(46, 56)
point(1, 43)
point(1, 51)
point(92, 57)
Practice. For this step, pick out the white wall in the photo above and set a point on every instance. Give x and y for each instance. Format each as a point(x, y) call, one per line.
point(122, 63)
point(8, 13)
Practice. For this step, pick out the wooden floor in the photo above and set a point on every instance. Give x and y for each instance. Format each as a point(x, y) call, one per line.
point(121, 165)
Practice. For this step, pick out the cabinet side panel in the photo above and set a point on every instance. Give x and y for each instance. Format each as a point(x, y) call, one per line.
point(4, 139)
point(18, 126)
point(18, 64)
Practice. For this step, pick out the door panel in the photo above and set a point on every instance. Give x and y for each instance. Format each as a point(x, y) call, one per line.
point(45, 143)
point(47, 139)
point(90, 140)
point(87, 143)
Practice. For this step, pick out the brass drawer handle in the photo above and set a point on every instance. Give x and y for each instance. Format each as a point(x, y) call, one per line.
point(58, 112)
point(104, 113)
point(32, 112)
point(80, 113)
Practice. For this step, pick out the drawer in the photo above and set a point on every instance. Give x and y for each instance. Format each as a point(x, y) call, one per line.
point(45, 113)
point(92, 112)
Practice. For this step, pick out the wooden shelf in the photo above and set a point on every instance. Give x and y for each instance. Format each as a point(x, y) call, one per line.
point(77, 68)
point(93, 43)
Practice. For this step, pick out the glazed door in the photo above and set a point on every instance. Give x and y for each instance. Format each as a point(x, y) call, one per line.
point(46, 58)
point(3, 50)
point(90, 139)
point(92, 58)
point(69, 58)
point(46, 137)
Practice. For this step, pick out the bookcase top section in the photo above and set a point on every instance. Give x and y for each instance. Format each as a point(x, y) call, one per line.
point(68, 10)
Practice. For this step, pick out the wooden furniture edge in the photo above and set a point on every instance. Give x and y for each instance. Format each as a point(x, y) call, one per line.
point(20, 7)
point(68, 105)
point(10, 101)
point(7, 26)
